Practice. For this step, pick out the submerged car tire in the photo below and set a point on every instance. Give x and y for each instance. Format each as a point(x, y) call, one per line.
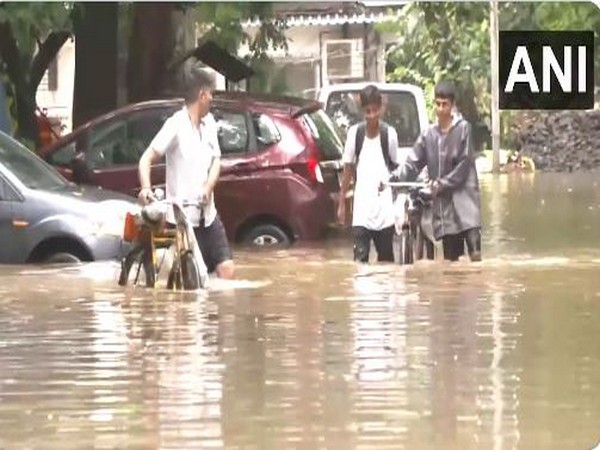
point(267, 235)
point(190, 272)
point(61, 258)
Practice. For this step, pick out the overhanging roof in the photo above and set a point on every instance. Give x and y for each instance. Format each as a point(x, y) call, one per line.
point(219, 59)
point(371, 15)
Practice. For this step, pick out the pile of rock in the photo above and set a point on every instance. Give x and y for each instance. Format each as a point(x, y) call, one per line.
point(562, 141)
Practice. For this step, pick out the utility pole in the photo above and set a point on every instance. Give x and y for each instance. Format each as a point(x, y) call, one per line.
point(495, 86)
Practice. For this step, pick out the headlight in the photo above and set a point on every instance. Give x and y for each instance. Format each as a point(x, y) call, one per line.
point(110, 219)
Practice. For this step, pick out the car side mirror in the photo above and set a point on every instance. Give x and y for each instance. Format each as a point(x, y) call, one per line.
point(81, 171)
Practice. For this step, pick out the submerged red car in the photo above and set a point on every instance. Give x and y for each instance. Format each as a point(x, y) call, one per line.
point(281, 161)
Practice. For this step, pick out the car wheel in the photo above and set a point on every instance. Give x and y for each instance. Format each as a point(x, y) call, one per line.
point(61, 258)
point(267, 235)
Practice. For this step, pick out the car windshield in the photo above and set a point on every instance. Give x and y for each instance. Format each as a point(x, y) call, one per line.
point(325, 135)
point(399, 110)
point(27, 167)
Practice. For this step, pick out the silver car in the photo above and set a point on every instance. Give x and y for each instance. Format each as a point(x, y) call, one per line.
point(46, 219)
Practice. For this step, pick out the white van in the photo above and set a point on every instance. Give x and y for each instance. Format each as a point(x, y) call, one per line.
point(404, 108)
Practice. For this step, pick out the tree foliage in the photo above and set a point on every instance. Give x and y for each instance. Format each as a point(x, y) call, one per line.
point(442, 41)
point(451, 41)
point(31, 34)
point(31, 23)
point(222, 22)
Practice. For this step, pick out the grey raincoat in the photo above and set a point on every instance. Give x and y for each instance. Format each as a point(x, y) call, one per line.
point(450, 160)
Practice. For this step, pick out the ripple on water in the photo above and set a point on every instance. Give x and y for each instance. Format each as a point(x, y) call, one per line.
point(308, 350)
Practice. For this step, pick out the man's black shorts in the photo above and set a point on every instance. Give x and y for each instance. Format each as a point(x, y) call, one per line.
point(213, 244)
point(454, 244)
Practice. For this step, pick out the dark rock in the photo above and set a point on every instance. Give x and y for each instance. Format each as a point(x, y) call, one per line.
point(561, 141)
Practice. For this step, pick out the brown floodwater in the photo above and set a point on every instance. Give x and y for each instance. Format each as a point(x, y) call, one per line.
point(309, 351)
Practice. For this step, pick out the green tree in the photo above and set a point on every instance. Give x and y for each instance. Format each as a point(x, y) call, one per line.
point(222, 22)
point(451, 41)
point(155, 35)
point(31, 34)
point(154, 43)
point(443, 41)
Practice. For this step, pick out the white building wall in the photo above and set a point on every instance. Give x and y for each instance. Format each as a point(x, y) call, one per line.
point(59, 103)
point(306, 49)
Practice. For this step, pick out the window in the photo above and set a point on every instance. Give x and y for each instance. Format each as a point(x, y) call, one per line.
point(325, 135)
point(107, 142)
point(232, 132)
point(7, 194)
point(49, 81)
point(64, 155)
point(122, 142)
point(53, 75)
point(142, 130)
point(399, 110)
point(30, 169)
point(266, 131)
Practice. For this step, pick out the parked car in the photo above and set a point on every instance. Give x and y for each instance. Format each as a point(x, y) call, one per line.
point(404, 108)
point(281, 160)
point(46, 219)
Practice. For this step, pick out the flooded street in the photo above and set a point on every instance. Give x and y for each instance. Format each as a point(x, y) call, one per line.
point(310, 351)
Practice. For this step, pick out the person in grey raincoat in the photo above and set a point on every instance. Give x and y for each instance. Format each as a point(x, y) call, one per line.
point(446, 149)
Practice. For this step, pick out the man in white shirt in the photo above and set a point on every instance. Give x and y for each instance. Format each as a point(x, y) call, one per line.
point(188, 141)
point(371, 147)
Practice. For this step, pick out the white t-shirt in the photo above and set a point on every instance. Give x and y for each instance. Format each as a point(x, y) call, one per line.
point(189, 152)
point(372, 209)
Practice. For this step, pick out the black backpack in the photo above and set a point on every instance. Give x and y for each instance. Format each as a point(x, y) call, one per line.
point(385, 143)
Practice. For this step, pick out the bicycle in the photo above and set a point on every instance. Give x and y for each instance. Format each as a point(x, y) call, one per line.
point(416, 237)
point(148, 232)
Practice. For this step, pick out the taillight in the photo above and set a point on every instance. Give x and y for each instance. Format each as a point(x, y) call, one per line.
point(314, 169)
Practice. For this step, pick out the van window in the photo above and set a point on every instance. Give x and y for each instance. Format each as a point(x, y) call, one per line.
point(325, 135)
point(399, 110)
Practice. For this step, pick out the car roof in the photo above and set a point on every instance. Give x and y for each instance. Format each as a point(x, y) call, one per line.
point(285, 104)
point(275, 104)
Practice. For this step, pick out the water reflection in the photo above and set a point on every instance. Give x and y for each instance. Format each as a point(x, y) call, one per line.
point(500, 355)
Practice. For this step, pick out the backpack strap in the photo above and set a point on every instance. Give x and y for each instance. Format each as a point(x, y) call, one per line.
point(385, 146)
point(360, 139)
point(384, 139)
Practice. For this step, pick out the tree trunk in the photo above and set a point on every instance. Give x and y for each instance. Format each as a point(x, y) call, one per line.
point(24, 97)
point(151, 49)
point(95, 91)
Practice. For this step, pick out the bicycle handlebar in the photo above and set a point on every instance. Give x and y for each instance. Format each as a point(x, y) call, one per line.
point(405, 184)
point(197, 203)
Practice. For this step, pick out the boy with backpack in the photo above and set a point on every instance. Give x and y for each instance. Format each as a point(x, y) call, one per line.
point(371, 147)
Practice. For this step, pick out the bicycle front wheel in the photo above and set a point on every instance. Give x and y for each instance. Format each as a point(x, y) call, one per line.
point(406, 247)
point(190, 272)
point(149, 269)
